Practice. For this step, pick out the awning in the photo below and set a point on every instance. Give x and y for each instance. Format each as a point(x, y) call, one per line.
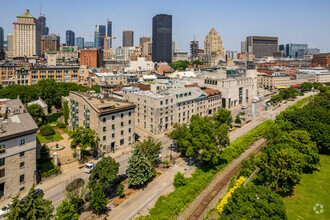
point(297, 86)
point(281, 87)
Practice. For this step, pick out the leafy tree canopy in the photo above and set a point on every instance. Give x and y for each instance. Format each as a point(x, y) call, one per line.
point(84, 138)
point(66, 211)
point(36, 111)
point(98, 200)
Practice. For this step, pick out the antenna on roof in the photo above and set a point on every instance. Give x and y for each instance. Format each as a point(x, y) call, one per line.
point(40, 8)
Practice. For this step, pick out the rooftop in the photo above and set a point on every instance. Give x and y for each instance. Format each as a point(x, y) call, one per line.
point(26, 14)
point(101, 104)
point(19, 121)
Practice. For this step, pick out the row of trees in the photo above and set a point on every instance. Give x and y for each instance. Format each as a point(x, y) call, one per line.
point(183, 64)
point(206, 134)
point(47, 89)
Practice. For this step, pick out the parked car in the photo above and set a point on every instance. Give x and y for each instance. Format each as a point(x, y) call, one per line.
point(244, 107)
point(75, 184)
point(38, 192)
point(89, 167)
point(5, 209)
point(88, 196)
point(118, 180)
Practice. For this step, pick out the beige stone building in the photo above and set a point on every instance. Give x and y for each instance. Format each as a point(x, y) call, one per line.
point(17, 149)
point(274, 81)
point(112, 119)
point(27, 36)
point(59, 74)
point(109, 79)
point(213, 43)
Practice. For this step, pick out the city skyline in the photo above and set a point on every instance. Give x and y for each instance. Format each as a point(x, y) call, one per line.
point(229, 19)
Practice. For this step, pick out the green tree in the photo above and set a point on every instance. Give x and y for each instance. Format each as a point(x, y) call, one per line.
point(104, 173)
point(150, 149)
point(139, 169)
point(95, 88)
point(84, 138)
point(223, 116)
point(281, 169)
point(247, 166)
point(48, 90)
point(66, 211)
point(198, 62)
point(32, 207)
point(76, 194)
point(36, 111)
point(98, 199)
point(15, 211)
point(120, 190)
point(180, 65)
point(238, 120)
point(44, 153)
point(306, 86)
point(65, 108)
point(254, 202)
point(179, 180)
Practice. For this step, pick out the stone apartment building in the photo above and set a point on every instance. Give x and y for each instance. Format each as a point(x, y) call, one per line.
point(110, 79)
point(17, 149)
point(274, 81)
point(112, 119)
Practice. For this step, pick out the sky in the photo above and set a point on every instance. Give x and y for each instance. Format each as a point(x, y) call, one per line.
point(292, 21)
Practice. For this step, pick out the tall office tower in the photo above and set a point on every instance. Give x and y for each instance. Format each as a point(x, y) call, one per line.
point(42, 24)
point(99, 31)
point(27, 36)
point(162, 38)
point(213, 43)
point(2, 42)
point(109, 33)
point(243, 47)
point(89, 44)
point(128, 39)
point(194, 49)
point(261, 46)
point(143, 40)
point(80, 42)
point(296, 50)
point(10, 43)
point(70, 37)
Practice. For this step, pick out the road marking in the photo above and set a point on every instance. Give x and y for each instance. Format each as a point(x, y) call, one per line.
point(133, 203)
point(58, 200)
point(121, 213)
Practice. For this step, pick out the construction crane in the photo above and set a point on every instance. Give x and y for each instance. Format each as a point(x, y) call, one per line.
point(107, 39)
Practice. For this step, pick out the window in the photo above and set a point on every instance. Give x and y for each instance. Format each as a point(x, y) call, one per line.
point(21, 178)
point(129, 122)
point(122, 124)
point(113, 127)
point(2, 148)
point(104, 119)
point(21, 165)
point(129, 113)
point(171, 100)
point(113, 117)
point(166, 101)
point(104, 138)
point(161, 102)
point(113, 135)
point(2, 173)
point(129, 138)
point(104, 128)
point(2, 161)
point(22, 141)
point(122, 142)
point(129, 130)
point(122, 132)
point(122, 115)
point(21, 154)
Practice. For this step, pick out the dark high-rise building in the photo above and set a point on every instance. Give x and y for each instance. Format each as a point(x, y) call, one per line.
point(42, 24)
point(80, 42)
point(194, 49)
point(109, 32)
point(1, 39)
point(261, 46)
point(99, 31)
point(162, 38)
point(70, 38)
point(128, 39)
point(143, 40)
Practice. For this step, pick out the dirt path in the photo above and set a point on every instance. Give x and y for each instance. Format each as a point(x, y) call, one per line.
point(217, 188)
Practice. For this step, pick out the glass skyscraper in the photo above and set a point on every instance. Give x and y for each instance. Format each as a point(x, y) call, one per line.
point(109, 32)
point(100, 30)
point(70, 38)
point(80, 42)
point(1, 38)
point(162, 38)
point(296, 50)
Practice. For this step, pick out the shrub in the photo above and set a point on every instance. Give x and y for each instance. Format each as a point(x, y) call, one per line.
point(46, 130)
point(51, 172)
point(51, 117)
point(61, 125)
point(179, 180)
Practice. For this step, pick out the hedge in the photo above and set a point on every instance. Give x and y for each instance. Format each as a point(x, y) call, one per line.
point(51, 117)
point(170, 206)
point(46, 130)
point(55, 170)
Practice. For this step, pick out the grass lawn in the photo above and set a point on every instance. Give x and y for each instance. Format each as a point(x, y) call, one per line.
point(45, 166)
point(313, 189)
point(46, 139)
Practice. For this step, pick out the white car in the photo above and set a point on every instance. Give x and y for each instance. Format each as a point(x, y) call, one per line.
point(5, 210)
point(244, 107)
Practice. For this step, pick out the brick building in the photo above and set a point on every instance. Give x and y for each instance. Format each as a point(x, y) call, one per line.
point(50, 42)
point(322, 59)
point(91, 58)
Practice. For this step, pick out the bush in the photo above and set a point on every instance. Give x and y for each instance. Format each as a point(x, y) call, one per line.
point(179, 180)
point(44, 153)
point(51, 117)
point(61, 125)
point(46, 130)
point(51, 172)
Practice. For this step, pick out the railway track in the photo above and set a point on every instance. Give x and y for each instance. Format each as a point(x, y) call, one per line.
point(202, 206)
